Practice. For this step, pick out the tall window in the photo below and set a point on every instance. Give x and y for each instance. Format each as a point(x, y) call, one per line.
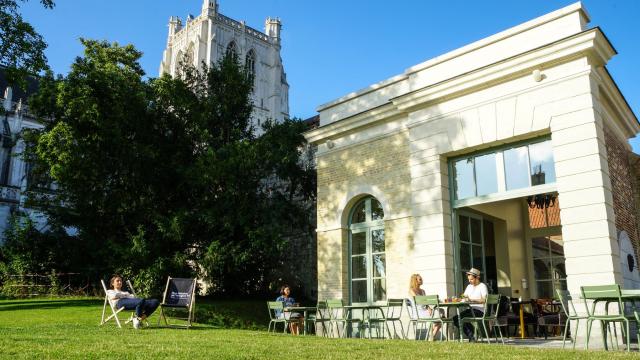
point(504, 169)
point(548, 265)
point(250, 64)
point(367, 270)
point(232, 49)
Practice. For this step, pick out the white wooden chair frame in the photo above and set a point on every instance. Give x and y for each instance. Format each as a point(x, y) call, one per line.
point(114, 310)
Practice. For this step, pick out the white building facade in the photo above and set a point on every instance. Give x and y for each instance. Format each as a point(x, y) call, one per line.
point(509, 155)
point(207, 37)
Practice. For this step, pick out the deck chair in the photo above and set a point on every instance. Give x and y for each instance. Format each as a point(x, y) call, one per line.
point(179, 295)
point(115, 311)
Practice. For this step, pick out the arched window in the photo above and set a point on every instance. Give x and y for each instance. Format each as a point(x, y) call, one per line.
point(367, 268)
point(250, 64)
point(232, 49)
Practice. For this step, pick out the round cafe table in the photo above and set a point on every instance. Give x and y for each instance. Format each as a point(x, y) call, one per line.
point(457, 306)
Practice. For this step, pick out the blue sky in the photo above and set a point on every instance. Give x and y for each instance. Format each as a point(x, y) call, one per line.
point(331, 48)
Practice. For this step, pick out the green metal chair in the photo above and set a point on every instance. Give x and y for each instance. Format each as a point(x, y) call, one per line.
point(423, 318)
point(636, 311)
point(566, 299)
point(490, 316)
point(390, 313)
point(322, 318)
point(277, 315)
point(609, 294)
point(340, 315)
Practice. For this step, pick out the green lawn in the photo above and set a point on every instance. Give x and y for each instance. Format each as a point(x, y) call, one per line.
point(68, 328)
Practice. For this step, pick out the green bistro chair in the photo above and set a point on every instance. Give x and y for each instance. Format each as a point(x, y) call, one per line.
point(636, 311)
point(490, 317)
point(610, 294)
point(422, 318)
point(390, 313)
point(342, 317)
point(277, 316)
point(322, 319)
point(566, 299)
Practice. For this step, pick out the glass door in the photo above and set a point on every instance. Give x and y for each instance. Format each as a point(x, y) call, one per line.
point(470, 245)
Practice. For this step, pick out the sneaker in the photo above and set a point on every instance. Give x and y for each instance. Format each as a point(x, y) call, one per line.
point(136, 323)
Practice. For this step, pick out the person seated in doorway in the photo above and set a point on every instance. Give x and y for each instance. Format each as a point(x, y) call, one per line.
point(415, 289)
point(475, 294)
point(296, 318)
point(143, 307)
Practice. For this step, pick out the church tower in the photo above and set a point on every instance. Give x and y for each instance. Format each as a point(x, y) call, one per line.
point(210, 35)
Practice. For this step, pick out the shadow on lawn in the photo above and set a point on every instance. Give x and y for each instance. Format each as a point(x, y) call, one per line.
point(19, 305)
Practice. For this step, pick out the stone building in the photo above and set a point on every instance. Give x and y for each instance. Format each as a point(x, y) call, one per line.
point(207, 37)
point(509, 154)
point(13, 170)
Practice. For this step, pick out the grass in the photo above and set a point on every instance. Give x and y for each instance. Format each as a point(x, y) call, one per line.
point(68, 328)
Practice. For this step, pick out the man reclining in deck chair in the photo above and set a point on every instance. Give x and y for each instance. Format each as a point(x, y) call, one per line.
point(143, 307)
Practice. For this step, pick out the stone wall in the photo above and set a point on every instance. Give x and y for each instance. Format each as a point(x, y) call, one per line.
point(623, 187)
point(380, 168)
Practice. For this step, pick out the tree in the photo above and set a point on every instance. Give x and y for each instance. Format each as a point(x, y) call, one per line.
point(21, 47)
point(166, 176)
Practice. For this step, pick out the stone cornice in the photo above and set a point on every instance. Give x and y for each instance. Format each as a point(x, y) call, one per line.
point(591, 43)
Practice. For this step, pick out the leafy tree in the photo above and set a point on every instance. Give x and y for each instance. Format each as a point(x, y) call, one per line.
point(166, 176)
point(21, 47)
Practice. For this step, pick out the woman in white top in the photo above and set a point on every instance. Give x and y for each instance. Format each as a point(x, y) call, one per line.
point(119, 298)
point(423, 311)
point(475, 294)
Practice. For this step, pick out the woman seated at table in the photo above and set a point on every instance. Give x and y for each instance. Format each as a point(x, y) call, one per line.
point(423, 311)
point(289, 301)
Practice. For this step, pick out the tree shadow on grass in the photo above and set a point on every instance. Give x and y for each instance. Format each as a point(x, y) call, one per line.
point(20, 305)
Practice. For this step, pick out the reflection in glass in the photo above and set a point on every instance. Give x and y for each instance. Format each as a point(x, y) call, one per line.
point(545, 289)
point(379, 289)
point(516, 168)
point(376, 210)
point(359, 213)
point(378, 262)
point(541, 269)
point(486, 174)
point(542, 168)
point(359, 291)
point(358, 267)
point(377, 240)
point(463, 178)
point(358, 243)
point(476, 255)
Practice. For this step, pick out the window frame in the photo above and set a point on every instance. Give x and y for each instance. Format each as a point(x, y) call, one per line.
point(368, 227)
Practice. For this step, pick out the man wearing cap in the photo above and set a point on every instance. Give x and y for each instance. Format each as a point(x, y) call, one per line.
point(475, 294)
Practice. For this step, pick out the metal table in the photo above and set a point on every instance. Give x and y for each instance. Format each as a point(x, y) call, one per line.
point(366, 311)
point(305, 310)
point(456, 305)
point(629, 295)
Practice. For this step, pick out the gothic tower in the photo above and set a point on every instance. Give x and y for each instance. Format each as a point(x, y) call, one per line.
point(210, 35)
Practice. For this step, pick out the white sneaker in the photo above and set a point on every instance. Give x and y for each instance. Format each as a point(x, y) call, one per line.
point(136, 323)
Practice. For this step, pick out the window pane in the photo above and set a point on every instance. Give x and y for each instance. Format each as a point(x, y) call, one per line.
point(464, 228)
point(556, 246)
point(545, 289)
point(379, 264)
point(359, 291)
point(559, 272)
point(476, 231)
point(465, 257)
point(476, 257)
point(486, 174)
point(377, 240)
point(358, 267)
point(358, 243)
point(464, 184)
point(541, 269)
point(359, 214)
point(542, 168)
point(516, 168)
point(376, 210)
point(379, 289)
point(540, 247)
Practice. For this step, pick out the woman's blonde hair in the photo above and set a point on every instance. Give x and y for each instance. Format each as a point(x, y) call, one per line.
point(413, 283)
